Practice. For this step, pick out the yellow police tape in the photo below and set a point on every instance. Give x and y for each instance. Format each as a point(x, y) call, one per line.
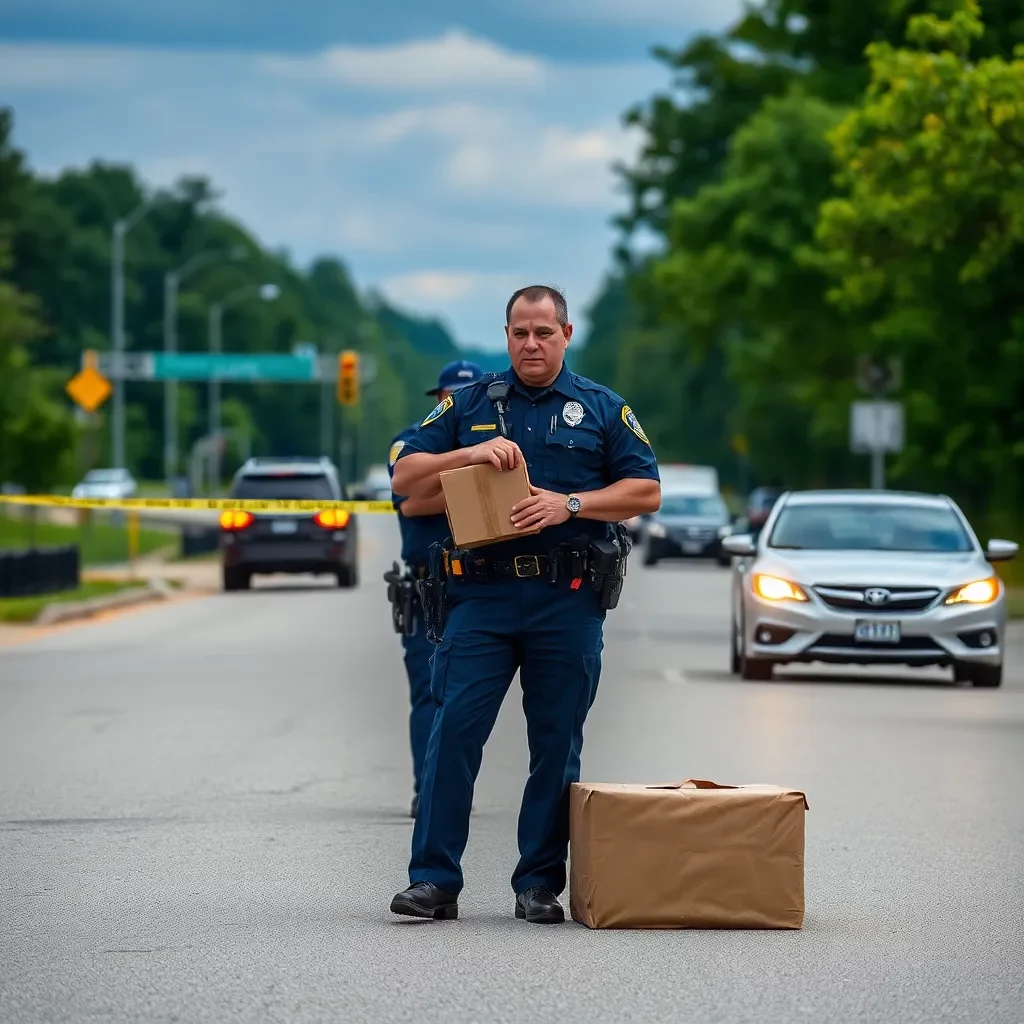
point(196, 504)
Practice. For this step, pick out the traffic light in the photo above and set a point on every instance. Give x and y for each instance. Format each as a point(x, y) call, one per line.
point(348, 378)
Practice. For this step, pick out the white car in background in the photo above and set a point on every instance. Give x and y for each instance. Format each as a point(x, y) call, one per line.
point(868, 578)
point(105, 483)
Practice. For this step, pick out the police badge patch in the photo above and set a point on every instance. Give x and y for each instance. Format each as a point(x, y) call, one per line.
point(629, 418)
point(572, 413)
point(396, 450)
point(441, 409)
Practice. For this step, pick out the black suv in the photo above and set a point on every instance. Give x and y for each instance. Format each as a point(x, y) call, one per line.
point(326, 542)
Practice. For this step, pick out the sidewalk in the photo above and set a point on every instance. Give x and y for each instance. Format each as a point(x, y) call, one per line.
point(200, 574)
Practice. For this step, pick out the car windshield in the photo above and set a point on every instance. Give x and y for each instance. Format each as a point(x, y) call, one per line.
point(692, 505)
point(105, 476)
point(869, 527)
point(296, 486)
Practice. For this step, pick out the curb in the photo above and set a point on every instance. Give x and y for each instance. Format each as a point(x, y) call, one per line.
point(67, 611)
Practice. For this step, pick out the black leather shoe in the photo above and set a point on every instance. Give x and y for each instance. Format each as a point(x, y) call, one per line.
point(424, 899)
point(415, 806)
point(539, 906)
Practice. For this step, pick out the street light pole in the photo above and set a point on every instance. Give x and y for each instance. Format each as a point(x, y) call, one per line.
point(267, 292)
point(172, 282)
point(215, 345)
point(120, 230)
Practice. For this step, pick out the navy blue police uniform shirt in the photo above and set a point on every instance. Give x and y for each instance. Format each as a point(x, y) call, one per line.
point(576, 436)
point(418, 532)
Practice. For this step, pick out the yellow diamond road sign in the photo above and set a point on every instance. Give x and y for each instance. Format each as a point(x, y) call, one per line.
point(89, 388)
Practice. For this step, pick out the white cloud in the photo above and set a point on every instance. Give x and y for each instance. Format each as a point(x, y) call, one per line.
point(695, 15)
point(451, 204)
point(454, 59)
point(559, 166)
point(430, 286)
point(44, 66)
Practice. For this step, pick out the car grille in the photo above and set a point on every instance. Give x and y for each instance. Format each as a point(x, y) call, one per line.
point(694, 534)
point(910, 644)
point(897, 600)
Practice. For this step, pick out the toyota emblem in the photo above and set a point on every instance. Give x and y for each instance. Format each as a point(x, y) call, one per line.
point(877, 595)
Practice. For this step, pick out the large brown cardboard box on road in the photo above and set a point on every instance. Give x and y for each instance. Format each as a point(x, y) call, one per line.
point(479, 501)
point(690, 854)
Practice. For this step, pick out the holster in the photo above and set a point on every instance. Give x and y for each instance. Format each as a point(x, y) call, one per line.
point(403, 597)
point(607, 571)
point(434, 594)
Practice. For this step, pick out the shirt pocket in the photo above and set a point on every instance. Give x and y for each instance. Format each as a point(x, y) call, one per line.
point(573, 458)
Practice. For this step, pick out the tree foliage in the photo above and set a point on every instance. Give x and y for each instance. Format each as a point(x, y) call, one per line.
point(829, 181)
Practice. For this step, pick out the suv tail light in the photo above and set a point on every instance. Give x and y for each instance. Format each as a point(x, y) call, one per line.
point(332, 519)
point(235, 519)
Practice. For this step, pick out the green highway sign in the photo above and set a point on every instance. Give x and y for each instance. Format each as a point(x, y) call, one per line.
point(268, 366)
point(205, 366)
point(302, 366)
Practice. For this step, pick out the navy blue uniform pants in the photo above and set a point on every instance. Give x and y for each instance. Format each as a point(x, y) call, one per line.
point(418, 651)
point(553, 636)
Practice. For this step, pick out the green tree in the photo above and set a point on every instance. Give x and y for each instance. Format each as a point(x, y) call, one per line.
point(926, 245)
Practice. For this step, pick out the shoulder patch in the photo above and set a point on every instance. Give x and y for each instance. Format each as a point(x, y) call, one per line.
point(438, 412)
point(629, 418)
point(396, 450)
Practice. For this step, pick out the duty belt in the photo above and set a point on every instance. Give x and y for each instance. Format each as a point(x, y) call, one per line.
point(479, 569)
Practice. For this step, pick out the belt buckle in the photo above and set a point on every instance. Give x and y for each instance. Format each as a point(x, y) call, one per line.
point(530, 562)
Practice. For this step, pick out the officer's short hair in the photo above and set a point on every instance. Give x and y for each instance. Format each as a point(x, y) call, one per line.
point(537, 293)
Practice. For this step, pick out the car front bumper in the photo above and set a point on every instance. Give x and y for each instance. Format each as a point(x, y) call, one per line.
point(672, 547)
point(814, 632)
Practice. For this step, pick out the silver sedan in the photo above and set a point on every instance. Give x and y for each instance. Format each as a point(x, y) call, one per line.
point(868, 578)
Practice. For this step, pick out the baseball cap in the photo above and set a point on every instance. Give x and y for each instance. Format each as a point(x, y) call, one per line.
point(457, 375)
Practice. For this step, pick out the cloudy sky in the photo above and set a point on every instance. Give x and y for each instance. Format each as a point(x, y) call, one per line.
point(447, 150)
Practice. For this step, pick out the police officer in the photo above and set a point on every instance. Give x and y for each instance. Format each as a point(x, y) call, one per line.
point(590, 465)
point(422, 522)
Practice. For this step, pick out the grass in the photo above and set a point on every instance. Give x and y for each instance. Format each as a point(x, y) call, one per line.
point(1015, 603)
point(25, 609)
point(100, 543)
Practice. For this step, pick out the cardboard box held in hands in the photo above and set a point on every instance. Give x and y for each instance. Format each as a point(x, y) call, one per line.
point(691, 854)
point(480, 500)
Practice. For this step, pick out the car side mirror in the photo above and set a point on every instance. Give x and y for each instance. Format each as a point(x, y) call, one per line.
point(741, 545)
point(1001, 550)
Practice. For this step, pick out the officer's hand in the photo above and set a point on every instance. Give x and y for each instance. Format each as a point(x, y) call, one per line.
point(499, 451)
point(542, 508)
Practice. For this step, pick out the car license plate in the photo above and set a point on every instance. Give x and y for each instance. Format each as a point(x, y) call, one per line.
point(876, 632)
point(692, 547)
point(284, 526)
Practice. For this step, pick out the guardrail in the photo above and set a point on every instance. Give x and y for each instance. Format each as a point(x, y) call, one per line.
point(38, 571)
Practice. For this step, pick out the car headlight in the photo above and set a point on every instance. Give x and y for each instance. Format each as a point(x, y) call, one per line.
point(657, 530)
point(774, 588)
point(978, 592)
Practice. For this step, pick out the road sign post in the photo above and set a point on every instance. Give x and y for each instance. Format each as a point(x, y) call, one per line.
point(876, 428)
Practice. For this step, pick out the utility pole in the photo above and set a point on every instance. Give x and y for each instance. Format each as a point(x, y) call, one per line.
point(172, 282)
point(120, 230)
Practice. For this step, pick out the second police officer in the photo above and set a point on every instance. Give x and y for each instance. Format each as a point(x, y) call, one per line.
point(422, 522)
point(522, 604)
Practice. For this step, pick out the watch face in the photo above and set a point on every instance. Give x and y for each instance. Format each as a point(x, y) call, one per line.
point(573, 504)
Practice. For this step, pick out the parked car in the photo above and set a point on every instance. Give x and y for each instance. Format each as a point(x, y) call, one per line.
point(687, 525)
point(868, 578)
point(676, 476)
point(760, 504)
point(324, 542)
point(375, 486)
point(105, 483)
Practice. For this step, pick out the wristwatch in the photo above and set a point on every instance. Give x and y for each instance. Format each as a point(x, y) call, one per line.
point(573, 504)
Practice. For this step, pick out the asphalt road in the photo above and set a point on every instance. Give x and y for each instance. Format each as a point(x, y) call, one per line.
point(202, 818)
